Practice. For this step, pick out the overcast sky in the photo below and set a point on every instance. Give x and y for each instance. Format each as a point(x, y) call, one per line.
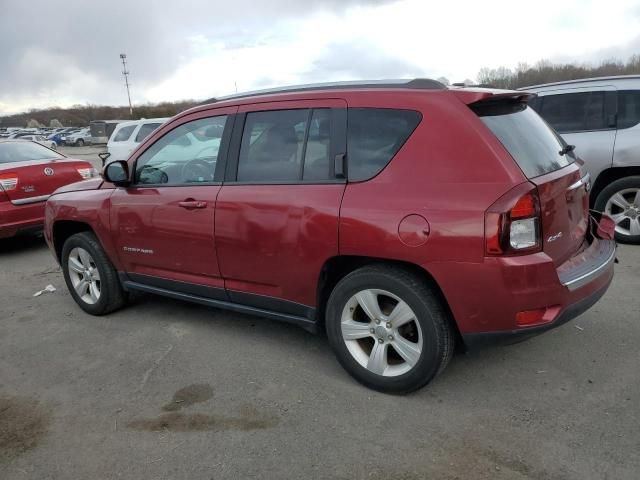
point(64, 53)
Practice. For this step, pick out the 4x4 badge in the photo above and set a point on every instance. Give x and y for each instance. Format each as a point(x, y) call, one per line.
point(48, 171)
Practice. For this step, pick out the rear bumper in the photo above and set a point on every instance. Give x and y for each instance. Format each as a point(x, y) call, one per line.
point(15, 219)
point(496, 292)
point(475, 341)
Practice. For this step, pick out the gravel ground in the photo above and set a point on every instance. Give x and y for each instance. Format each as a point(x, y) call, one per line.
point(164, 389)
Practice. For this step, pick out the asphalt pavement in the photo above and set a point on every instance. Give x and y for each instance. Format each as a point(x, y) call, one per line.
point(165, 389)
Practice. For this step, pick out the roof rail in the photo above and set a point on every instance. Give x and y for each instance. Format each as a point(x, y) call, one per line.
point(416, 83)
point(583, 80)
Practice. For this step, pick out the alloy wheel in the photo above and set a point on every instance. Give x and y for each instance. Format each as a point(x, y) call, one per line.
point(624, 208)
point(381, 332)
point(84, 275)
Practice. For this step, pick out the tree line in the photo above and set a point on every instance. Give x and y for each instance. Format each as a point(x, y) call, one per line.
point(544, 71)
point(523, 75)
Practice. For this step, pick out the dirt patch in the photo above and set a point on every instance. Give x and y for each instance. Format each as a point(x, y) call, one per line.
point(189, 395)
point(23, 423)
point(248, 420)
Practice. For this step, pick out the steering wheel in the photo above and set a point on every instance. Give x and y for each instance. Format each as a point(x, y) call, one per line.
point(197, 170)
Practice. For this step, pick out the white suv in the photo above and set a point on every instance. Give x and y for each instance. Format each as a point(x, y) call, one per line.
point(601, 117)
point(128, 135)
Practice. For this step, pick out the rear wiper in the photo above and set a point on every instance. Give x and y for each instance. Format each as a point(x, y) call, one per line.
point(567, 149)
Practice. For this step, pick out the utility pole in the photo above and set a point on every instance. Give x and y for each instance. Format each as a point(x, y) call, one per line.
point(125, 72)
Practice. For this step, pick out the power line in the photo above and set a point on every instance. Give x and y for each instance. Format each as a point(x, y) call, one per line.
point(125, 72)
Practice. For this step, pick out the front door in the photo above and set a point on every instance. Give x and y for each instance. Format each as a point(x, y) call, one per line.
point(164, 223)
point(277, 213)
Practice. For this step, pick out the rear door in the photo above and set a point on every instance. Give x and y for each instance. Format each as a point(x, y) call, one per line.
point(277, 213)
point(562, 186)
point(586, 118)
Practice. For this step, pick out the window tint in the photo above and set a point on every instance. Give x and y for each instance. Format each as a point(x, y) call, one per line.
point(145, 131)
point(272, 146)
point(374, 136)
point(575, 112)
point(628, 108)
point(124, 133)
point(317, 163)
point(529, 140)
point(185, 155)
point(566, 113)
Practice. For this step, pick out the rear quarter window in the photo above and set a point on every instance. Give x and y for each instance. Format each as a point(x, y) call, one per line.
point(531, 142)
point(374, 136)
point(124, 133)
point(628, 108)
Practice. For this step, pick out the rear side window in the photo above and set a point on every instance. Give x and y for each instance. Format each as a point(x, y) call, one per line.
point(124, 133)
point(529, 140)
point(628, 108)
point(145, 130)
point(374, 136)
point(576, 112)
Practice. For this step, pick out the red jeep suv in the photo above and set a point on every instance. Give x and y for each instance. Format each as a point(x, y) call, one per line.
point(400, 217)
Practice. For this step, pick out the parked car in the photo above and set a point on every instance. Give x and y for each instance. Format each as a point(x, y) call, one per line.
point(101, 130)
point(62, 132)
point(400, 217)
point(41, 140)
point(128, 135)
point(601, 117)
point(77, 139)
point(29, 173)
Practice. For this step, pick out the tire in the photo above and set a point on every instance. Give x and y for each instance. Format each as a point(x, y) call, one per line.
point(80, 143)
point(54, 146)
point(110, 295)
point(621, 200)
point(427, 340)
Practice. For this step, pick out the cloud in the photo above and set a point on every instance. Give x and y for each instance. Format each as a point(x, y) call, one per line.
point(64, 53)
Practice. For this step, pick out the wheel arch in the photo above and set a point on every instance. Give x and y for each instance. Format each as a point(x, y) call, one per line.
point(610, 175)
point(337, 267)
point(63, 229)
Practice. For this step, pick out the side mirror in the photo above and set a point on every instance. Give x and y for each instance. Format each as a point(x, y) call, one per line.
point(103, 156)
point(117, 173)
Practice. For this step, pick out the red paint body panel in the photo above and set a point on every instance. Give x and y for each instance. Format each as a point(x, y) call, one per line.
point(153, 235)
point(274, 239)
point(33, 183)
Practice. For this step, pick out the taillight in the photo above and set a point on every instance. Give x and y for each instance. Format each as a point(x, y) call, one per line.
point(512, 224)
point(8, 181)
point(87, 172)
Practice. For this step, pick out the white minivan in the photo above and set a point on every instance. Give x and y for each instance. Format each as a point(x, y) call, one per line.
point(128, 135)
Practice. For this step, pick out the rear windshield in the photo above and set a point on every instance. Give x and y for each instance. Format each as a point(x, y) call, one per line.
point(25, 151)
point(530, 141)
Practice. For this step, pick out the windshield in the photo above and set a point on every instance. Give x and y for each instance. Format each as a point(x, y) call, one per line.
point(530, 141)
point(25, 151)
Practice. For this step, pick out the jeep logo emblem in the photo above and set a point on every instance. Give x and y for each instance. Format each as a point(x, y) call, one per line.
point(48, 171)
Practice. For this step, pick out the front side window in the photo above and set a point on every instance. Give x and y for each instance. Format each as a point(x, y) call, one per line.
point(186, 155)
point(628, 108)
point(124, 133)
point(374, 136)
point(145, 131)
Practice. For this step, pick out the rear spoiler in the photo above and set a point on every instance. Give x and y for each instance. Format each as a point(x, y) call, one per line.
point(480, 96)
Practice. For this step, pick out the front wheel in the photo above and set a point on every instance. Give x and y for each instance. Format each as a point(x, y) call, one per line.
point(90, 276)
point(80, 143)
point(621, 201)
point(389, 329)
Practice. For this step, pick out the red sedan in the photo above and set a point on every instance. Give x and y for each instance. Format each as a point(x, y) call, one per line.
point(29, 173)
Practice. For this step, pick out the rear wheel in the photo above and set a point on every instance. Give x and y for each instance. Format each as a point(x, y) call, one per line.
point(80, 143)
point(90, 276)
point(388, 329)
point(621, 201)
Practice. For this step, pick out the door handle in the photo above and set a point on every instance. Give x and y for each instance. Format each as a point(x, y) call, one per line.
point(191, 204)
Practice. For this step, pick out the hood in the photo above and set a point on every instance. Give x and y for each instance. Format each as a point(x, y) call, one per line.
point(89, 184)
